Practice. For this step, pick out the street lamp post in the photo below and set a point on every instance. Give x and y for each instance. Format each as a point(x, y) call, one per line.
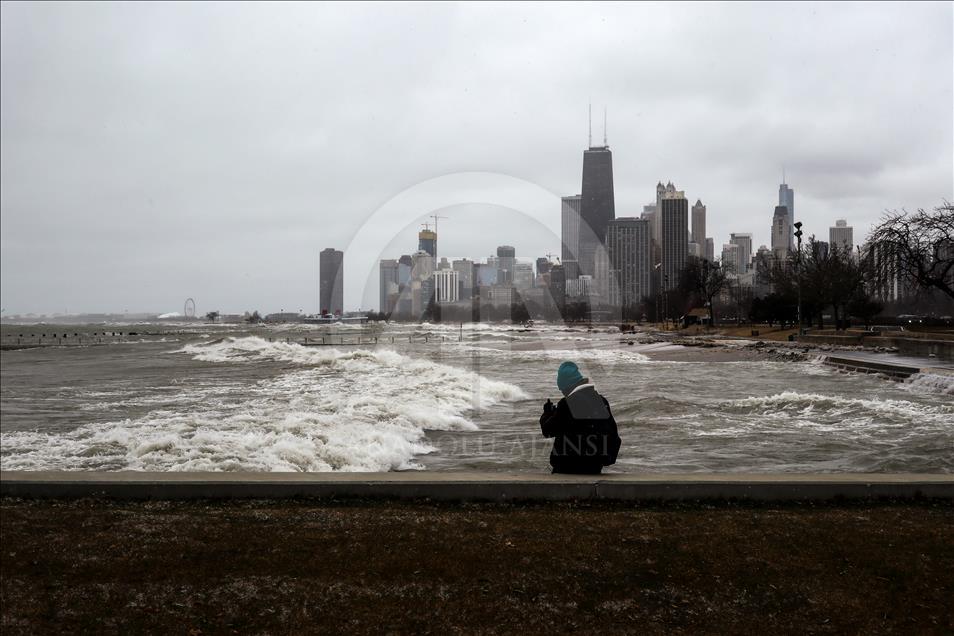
point(658, 292)
point(666, 300)
point(798, 273)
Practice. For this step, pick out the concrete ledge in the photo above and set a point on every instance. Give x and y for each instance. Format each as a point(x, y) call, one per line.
point(870, 366)
point(451, 486)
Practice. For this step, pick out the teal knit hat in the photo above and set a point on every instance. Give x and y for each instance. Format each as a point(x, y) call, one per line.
point(568, 376)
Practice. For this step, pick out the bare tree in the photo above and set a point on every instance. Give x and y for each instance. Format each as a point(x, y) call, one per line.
point(705, 278)
point(846, 276)
point(830, 277)
point(741, 296)
point(916, 247)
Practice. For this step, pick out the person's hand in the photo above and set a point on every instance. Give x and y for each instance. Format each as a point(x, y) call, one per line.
point(548, 406)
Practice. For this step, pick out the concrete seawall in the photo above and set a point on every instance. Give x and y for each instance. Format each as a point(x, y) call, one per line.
point(473, 486)
point(894, 368)
point(910, 346)
point(897, 371)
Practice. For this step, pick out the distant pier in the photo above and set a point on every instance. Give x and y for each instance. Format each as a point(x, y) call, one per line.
point(64, 338)
point(34, 341)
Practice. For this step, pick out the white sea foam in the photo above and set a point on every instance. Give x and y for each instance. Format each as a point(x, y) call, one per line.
point(145, 340)
point(582, 354)
point(348, 411)
point(329, 327)
point(599, 355)
point(816, 366)
point(924, 383)
point(930, 383)
point(899, 412)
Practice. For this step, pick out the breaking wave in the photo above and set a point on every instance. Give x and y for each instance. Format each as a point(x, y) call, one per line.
point(342, 411)
point(851, 411)
point(542, 353)
point(930, 383)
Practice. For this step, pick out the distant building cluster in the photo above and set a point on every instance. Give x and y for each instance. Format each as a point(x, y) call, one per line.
point(413, 284)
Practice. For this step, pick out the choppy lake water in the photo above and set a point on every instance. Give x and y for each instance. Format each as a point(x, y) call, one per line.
point(230, 398)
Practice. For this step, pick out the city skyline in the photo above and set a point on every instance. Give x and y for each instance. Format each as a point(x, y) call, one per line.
point(134, 177)
point(618, 268)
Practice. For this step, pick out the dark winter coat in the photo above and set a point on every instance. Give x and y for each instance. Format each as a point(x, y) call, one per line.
point(585, 437)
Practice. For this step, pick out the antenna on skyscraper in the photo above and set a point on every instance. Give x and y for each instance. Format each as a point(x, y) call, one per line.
point(783, 173)
point(604, 128)
point(590, 123)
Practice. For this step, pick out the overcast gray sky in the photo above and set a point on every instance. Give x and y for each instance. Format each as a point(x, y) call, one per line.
point(153, 152)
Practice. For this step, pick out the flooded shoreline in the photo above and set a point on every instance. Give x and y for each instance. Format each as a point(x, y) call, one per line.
point(450, 397)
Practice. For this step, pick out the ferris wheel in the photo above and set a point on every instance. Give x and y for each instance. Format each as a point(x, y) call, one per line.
point(189, 310)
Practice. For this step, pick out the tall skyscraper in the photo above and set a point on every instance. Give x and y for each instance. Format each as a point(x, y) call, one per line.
point(558, 286)
point(486, 274)
point(744, 241)
point(405, 265)
point(628, 243)
point(786, 197)
point(710, 250)
point(390, 284)
point(446, 286)
point(651, 213)
point(423, 265)
point(498, 295)
point(506, 262)
point(465, 275)
point(427, 242)
point(542, 279)
point(584, 285)
point(730, 258)
point(675, 237)
point(543, 265)
point(601, 274)
point(571, 270)
point(657, 222)
point(404, 269)
point(841, 236)
point(699, 223)
point(570, 229)
point(781, 233)
point(523, 276)
point(882, 259)
point(331, 281)
point(762, 279)
point(422, 281)
point(657, 217)
point(597, 204)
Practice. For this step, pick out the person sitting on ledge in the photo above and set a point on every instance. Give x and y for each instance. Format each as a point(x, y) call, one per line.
point(583, 428)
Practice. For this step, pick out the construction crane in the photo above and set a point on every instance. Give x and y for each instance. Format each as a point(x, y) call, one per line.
point(435, 217)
